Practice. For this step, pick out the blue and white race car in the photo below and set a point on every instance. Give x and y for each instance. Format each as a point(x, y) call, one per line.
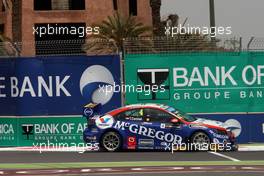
point(155, 127)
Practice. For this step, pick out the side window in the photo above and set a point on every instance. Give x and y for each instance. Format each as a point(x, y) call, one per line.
point(134, 115)
point(155, 115)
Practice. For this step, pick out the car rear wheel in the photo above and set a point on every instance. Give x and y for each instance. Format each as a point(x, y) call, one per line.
point(201, 141)
point(111, 141)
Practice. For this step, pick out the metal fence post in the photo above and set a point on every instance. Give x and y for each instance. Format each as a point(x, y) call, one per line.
point(249, 43)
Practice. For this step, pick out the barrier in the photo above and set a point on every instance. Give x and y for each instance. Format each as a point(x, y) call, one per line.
point(56, 85)
point(35, 131)
point(246, 127)
point(41, 96)
point(203, 83)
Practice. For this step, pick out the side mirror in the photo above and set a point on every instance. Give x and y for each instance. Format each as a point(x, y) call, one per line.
point(174, 121)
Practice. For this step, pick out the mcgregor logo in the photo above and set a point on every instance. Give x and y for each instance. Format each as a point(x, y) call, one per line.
point(94, 78)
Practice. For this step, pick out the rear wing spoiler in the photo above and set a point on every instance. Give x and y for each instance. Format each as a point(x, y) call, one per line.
point(91, 110)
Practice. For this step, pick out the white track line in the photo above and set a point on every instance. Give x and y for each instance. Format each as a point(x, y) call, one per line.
point(86, 170)
point(21, 172)
point(225, 156)
point(248, 168)
point(136, 169)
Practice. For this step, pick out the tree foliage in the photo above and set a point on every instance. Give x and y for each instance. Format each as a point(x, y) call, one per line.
point(112, 32)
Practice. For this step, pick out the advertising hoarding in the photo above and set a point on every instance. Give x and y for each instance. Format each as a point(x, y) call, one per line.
point(42, 98)
point(201, 83)
point(220, 86)
point(57, 85)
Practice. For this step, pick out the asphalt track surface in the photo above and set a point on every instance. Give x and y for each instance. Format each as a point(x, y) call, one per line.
point(215, 170)
point(59, 157)
point(72, 157)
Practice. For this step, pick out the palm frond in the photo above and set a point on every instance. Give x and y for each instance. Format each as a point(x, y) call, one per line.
point(113, 31)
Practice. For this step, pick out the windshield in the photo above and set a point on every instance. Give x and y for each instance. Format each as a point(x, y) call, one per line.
point(181, 115)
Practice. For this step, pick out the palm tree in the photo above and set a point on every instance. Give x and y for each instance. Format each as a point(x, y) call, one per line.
point(7, 47)
point(156, 21)
point(6, 3)
point(112, 33)
point(2, 49)
point(15, 6)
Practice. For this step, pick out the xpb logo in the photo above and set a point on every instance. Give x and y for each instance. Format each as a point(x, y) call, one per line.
point(92, 79)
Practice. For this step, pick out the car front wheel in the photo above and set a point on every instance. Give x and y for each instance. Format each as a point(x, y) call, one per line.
point(200, 141)
point(111, 141)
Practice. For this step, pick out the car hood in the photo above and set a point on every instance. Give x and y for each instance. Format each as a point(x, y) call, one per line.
point(211, 122)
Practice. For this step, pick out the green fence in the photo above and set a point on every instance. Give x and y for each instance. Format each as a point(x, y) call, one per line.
point(196, 82)
point(25, 131)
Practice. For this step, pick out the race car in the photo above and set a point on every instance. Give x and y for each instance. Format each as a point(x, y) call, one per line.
point(155, 127)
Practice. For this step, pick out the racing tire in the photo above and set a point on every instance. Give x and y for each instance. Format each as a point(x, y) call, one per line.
point(111, 141)
point(200, 141)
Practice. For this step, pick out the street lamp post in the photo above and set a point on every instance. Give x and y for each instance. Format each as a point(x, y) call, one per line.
point(212, 19)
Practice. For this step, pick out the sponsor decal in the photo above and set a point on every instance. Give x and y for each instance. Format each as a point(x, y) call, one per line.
point(94, 130)
point(210, 122)
point(197, 126)
point(218, 135)
point(88, 112)
point(166, 125)
point(162, 125)
point(146, 143)
point(234, 126)
point(92, 89)
point(147, 123)
point(134, 118)
point(104, 122)
point(131, 142)
point(91, 138)
point(148, 132)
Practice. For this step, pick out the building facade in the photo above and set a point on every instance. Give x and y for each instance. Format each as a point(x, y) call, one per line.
point(30, 14)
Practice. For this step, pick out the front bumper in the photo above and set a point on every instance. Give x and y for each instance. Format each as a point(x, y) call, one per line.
point(90, 135)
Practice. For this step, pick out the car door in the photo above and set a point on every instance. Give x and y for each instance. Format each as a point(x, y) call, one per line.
point(130, 117)
point(161, 120)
